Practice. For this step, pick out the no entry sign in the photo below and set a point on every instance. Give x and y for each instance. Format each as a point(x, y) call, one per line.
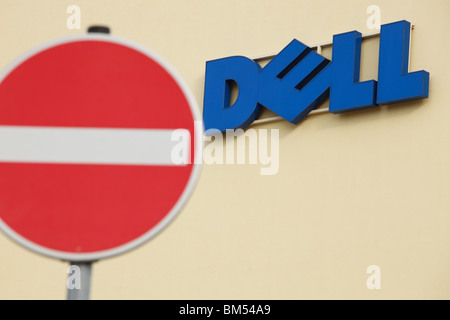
point(88, 127)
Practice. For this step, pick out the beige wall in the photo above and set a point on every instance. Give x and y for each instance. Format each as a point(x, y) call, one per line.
point(371, 187)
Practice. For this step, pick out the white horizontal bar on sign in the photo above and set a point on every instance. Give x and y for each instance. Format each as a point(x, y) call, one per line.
point(30, 144)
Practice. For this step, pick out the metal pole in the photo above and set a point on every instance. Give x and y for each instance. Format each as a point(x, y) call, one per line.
point(82, 290)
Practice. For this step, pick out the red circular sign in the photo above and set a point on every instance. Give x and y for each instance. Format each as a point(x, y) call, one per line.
point(88, 126)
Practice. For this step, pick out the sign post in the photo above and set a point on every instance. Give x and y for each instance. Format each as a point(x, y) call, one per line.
point(83, 292)
point(97, 148)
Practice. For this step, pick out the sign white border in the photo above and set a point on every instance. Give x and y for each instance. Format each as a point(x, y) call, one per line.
point(198, 147)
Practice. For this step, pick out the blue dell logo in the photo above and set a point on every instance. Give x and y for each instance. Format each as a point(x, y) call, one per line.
point(298, 79)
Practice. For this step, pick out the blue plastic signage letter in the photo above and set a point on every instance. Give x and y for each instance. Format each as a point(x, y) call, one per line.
point(347, 93)
point(295, 82)
point(395, 84)
point(217, 112)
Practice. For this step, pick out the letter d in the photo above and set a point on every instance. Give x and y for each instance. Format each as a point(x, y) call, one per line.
point(217, 112)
